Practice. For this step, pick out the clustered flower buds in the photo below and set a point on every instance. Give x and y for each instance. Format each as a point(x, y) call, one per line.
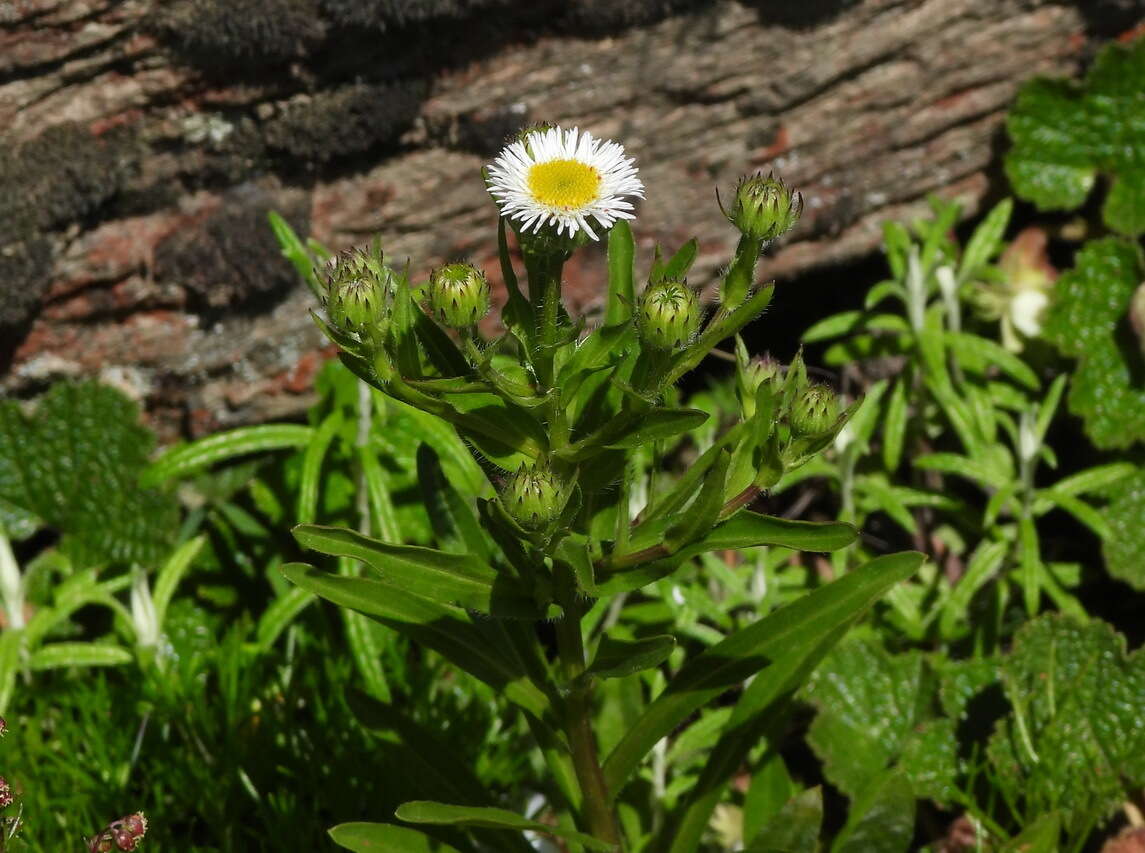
point(669, 315)
point(815, 411)
point(357, 290)
point(122, 834)
point(5, 793)
point(458, 295)
point(765, 208)
point(534, 496)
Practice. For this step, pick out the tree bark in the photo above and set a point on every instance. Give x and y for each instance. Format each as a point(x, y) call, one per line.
point(144, 146)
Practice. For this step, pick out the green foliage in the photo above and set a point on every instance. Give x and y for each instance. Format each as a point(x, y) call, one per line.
point(73, 465)
point(1065, 134)
point(1075, 740)
point(876, 711)
point(1089, 320)
point(1067, 739)
point(1124, 547)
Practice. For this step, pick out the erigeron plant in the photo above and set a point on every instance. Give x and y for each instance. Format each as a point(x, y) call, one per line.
point(555, 415)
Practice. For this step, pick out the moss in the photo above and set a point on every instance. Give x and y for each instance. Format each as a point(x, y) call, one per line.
point(393, 14)
point(600, 16)
point(346, 121)
point(62, 176)
point(25, 272)
point(213, 33)
point(232, 258)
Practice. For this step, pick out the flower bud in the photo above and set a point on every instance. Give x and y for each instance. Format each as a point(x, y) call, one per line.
point(5, 793)
point(764, 207)
point(814, 411)
point(669, 315)
point(136, 824)
point(458, 295)
point(358, 287)
point(124, 840)
point(533, 496)
point(752, 375)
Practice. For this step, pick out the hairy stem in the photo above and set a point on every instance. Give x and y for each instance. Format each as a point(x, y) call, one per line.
point(597, 813)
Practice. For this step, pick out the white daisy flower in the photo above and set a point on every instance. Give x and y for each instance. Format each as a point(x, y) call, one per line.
point(563, 177)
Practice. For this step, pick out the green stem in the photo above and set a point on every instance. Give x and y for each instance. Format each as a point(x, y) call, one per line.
point(596, 811)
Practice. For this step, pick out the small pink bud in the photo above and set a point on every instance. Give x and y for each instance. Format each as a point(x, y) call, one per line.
point(5, 793)
point(124, 840)
point(136, 824)
point(3, 727)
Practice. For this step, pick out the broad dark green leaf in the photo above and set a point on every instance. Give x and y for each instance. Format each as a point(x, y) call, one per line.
point(1075, 740)
point(795, 829)
point(424, 811)
point(1065, 134)
point(1087, 321)
point(881, 819)
point(873, 708)
point(791, 634)
point(1124, 550)
point(75, 464)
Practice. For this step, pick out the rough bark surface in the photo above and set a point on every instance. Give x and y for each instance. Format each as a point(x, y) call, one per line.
point(143, 145)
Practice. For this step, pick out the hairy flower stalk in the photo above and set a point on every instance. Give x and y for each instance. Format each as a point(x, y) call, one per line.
point(764, 209)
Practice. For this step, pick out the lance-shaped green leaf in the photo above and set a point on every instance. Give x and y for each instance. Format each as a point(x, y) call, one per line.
point(478, 648)
point(689, 481)
point(636, 568)
point(619, 658)
point(621, 293)
point(386, 838)
point(676, 267)
point(454, 523)
point(444, 814)
point(701, 515)
point(461, 579)
point(189, 458)
point(794, 633)
point(634, 429)
point(57, 655)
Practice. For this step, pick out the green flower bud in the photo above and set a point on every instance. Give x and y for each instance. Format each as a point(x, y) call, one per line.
point(764, 207)
point(458, 295)
point(533, 496)
point(358, 285)
point(814, 411)
point(669, 315)
point(753, 374)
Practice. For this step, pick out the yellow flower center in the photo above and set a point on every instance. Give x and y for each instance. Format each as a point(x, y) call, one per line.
point(567, 184)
